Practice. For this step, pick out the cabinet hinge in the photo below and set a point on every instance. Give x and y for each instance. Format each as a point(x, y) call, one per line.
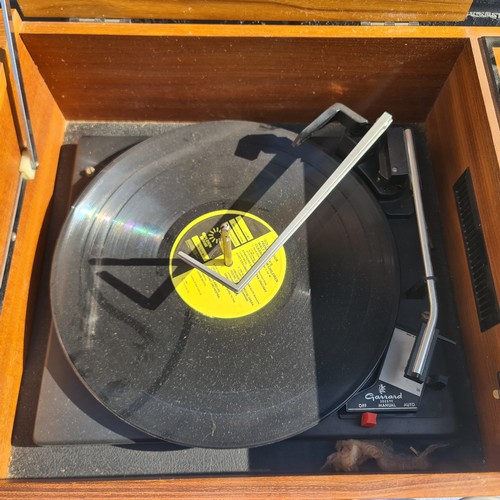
point(388, 23)
point(98, 20)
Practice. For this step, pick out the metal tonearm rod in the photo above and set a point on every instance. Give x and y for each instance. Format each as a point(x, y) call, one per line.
point(351, 160)
point(420, 356)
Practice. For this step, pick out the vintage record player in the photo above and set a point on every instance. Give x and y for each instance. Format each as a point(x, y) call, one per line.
point(250, 240)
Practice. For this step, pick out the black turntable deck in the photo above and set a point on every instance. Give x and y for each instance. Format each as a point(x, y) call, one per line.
point(160, 346)
point(131, 288)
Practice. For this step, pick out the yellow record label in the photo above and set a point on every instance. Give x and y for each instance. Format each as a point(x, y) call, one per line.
point(250, 237)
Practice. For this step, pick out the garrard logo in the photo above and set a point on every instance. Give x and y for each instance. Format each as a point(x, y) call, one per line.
point(382, 396)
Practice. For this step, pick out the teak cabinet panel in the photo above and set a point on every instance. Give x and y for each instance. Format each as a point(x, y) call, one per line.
point(463, 133)
point(9, 159)
point(432, 75)
point(48, 125)
point(164, 78)
point(249, 10)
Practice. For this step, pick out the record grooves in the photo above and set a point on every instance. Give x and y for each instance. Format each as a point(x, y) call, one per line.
point(187, 376)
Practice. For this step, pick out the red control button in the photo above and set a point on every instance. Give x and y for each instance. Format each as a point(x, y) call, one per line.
point(368, 419)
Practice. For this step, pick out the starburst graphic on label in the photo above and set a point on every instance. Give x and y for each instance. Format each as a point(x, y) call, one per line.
point(381, 388)
point(214, 235)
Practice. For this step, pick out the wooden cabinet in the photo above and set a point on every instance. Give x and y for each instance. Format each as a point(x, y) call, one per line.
point(280, 73)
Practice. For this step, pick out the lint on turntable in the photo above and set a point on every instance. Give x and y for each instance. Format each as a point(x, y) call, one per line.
point(163, 315)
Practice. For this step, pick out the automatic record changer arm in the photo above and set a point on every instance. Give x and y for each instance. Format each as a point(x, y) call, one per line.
point(419, 361)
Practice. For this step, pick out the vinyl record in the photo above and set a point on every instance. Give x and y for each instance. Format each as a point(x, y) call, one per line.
point(182, 358)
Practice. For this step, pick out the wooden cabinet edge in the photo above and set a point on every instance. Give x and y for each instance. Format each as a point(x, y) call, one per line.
point(462, 123)
point(321, 487)
point(48, 124)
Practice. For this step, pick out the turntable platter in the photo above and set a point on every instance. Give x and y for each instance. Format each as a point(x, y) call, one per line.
point(187, 361)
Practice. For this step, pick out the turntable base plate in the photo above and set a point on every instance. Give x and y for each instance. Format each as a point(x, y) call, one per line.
point(194, 377)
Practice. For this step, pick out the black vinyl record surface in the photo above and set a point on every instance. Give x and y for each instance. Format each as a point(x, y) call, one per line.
point(184, 359)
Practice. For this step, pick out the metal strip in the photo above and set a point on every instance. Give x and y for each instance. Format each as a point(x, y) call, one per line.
point(10, 232)
point(30, 146)
point(11, 239)
point(18, 80)
point(366, 142)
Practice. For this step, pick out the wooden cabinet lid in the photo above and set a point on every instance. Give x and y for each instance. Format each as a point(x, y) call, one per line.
point(250, 10)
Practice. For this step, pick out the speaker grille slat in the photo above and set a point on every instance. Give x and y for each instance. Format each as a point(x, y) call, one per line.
point(477, 257)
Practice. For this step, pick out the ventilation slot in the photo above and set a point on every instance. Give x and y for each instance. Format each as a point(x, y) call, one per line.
point(477, 257)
